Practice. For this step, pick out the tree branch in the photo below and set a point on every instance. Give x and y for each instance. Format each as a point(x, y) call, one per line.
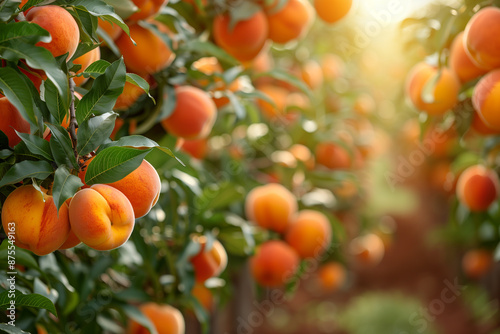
point(73, 124)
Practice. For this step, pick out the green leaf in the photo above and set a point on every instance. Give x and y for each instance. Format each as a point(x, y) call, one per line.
point(105, 90)
point(4, 141)
point(11, 329)
point(18, 93)
point(114, 163)
point(217, 196)
point(101, 9)
point(36, 145)
point(124, 8)
point(8, 8)
point(135, 314)
point(61, 147)
point(428, 91)
point(184, 266)
point(169, 152)
point(168, 103)
point(50, 266)
point(288, 78)
point(87, 24)
point(98, 67)
point(23, 257)
point(136, 141)
point(65, 186)
point(5, 153)
point(38, 58)
point(239, 110)
point(94, 131)
point(139, 81)
point(23, 31)
point(31, 300)
point(103, 35)
point(201, 313)
point(207, 49)
point(153, 27)
point(241, 12)
point(27, 169)
point(31, 3)
point(55, 103)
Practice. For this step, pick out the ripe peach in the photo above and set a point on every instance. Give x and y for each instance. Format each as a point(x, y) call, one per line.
point(367, 250)
point(165, 318)
point(276, 94)
point(85, 60)
point(460, 61)
point(480, 127)
point(290, 22)
point(303, 153)
point(101, 217)
point(312, 74)
point(477, 262)
point(210, 66)
point(113, 30)
point(196, 148)
point(271, 206)
point(71, 241)
point(262, 63)
point(310, 234)
point(222, 101)
point(486, 101)
point(147, 9)
point(204, 296)
point(194, 114)
point(482, 38)
point(23, 2)
point(346, 189)
point(477, 187)
point(119, 122)
point(332, 66)
point(208, 262)
point(243, 41)
point(39, 328)
point(364, 105)
point(128, 97)
point(442, 177)
point(36, 76)
point(331, 276)
point(332, 11)
point(335, 156)
point(150, 54)
point(37, 225)
point(274, 263)
point(297, 101)
point(444, 93)
point(142, 188)
point(11, 121)
point(444, 141)
point(61, 26)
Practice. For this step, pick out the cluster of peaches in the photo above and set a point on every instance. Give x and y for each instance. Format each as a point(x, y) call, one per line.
point(273, 21)
point(101, 216)
point(302, 235)
point(469, 85)
point(209, 262)
point(246, 40)
point(66, 41)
